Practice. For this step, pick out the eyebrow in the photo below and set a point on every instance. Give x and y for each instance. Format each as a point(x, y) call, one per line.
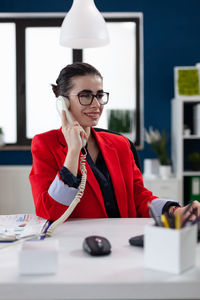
point(89, 91)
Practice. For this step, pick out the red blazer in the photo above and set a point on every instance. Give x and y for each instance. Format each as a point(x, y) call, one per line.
point(49, 150)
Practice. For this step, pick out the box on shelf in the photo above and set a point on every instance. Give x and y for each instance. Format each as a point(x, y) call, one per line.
point(186, 81)
point(151, 168)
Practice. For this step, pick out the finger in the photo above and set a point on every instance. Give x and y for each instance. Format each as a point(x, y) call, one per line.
point(191, 215)
point(195, 209)
point(75, 123)
point(196, 205)
point(81, 130)
point(83, 135)
point(198, 211)
point(188, 208)
point(192, 218)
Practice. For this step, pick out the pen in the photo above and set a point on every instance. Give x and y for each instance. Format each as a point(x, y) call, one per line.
point(7, 238)
point(44, 229)
point(153, 213)
point(164, 221)
point(177, 222)
point(170, 220)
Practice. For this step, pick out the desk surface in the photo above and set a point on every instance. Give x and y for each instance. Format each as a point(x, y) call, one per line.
point(121, 275)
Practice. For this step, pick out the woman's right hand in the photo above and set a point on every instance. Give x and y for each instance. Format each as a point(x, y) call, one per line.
point(73, 133)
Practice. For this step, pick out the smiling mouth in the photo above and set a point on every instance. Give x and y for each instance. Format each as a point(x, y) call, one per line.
point(93, 115)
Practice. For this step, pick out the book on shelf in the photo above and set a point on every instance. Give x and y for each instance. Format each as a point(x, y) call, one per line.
point(196, 115)
point(195, 188)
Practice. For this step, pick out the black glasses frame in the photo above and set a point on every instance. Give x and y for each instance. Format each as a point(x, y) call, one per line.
point(93, 96)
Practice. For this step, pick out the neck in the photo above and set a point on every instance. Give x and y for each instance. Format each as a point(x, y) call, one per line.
point(88, 132)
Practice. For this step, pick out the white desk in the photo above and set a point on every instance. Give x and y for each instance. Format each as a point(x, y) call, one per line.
point(120, 275)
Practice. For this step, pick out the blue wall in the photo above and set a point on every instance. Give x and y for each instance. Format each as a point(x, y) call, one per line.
point(171, 38)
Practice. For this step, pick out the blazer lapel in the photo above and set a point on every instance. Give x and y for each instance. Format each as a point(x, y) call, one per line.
point(114, 167)
point(61, 140)
point(94, 186)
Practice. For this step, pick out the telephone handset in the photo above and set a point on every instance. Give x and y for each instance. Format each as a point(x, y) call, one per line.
point(62, 103)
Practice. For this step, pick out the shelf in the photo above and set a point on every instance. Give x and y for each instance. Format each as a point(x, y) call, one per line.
point(191, 137)
point(14, 147)
point(183, 145)
point(188, 100)
point(191, 173)
point(159, 179)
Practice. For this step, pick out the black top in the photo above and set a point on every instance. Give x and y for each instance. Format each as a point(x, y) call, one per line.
point(102, 175)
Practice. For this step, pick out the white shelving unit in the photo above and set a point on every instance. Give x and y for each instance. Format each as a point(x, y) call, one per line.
point(169, 188)
point(181, 145)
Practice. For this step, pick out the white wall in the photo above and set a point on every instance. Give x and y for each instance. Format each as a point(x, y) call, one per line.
point(15, 190)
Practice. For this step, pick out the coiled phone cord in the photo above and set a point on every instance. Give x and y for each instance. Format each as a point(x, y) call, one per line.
point(67, 213)
point(77, 198)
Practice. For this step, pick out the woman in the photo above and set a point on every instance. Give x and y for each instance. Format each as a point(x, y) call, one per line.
point(114, 185)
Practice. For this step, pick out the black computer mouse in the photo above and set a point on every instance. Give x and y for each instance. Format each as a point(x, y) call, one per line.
point(137, 240)
point(96, 245)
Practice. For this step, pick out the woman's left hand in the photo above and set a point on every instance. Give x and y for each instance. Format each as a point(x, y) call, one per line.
point(192, 210)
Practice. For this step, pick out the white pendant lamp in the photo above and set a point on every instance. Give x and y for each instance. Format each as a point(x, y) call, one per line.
point(84, 26)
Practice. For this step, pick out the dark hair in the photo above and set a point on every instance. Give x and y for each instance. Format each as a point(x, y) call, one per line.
point(64, 80)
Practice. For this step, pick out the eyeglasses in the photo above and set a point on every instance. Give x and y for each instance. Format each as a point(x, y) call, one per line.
point(87, 98)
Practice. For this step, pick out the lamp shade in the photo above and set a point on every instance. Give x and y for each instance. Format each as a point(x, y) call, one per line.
point(84, 26)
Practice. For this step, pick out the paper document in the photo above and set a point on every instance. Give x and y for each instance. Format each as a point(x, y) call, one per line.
point(14, 227)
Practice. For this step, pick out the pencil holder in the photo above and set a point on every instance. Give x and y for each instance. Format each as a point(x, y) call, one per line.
point(170, 250)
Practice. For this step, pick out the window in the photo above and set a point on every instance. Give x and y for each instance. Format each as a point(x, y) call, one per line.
point(31, 59)
point(44, 60)
point(8, 80)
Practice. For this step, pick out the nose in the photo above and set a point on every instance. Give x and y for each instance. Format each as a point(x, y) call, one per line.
point(95, 102)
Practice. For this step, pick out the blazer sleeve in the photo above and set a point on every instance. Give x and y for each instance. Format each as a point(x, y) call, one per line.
point(45, 171)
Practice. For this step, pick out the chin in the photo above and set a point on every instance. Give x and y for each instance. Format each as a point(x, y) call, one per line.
point(94, 123)
point(91, 123)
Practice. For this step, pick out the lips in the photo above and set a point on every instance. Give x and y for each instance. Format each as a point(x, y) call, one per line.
point(92, 115)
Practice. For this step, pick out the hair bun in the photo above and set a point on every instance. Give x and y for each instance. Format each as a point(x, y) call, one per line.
point(55, 89)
